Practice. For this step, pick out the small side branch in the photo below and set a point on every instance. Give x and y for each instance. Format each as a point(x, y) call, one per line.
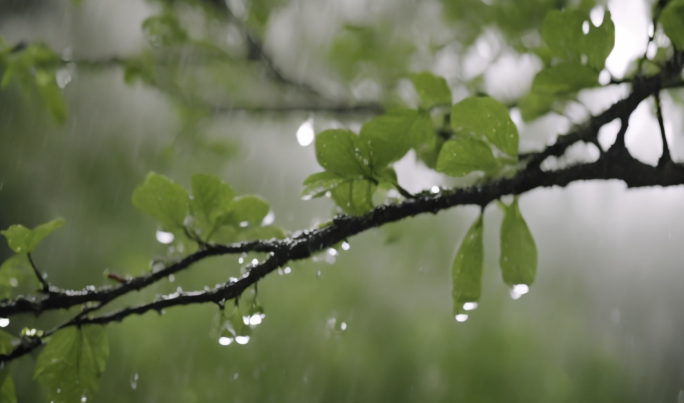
point(45, 286)
point(665, 158)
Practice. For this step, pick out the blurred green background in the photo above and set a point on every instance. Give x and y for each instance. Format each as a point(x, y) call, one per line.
point(602, 322)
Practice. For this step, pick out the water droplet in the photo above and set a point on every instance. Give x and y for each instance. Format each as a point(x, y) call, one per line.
point(287, 270)
point(63, 77)
point(134, 381)
point(434, 189)
point(521, 288)
point(255, 262)
point(469, 306)
point(318, 274)
point(84, 399)
point(280, 272)
point(343, 326)
point(172, 278)
point(13, 282)
point(4, 322)
point(345, 246)
point(332, 252)
point(224, 341)
point(243, 224)
point(461, 317)
point(256, 319)
point(268, 220)
point(59, 390)
point(236, 376)
point(305, 133)
point(164, 237)
point(242, 339)
point(241, 260)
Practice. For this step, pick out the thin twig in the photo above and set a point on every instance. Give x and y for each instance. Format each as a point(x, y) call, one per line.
point(45, 286)
point(665, 157)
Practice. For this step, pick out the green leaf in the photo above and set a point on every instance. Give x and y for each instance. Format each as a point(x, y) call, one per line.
point(518, 258)
point(432, 90)
point(7, 393)
point(672, 20)
point(564, 78)
point(73, 360)
point(318, 184)
point(51, 95)
point(249, 209)
point(562, 33)
point(163, 200)
point(210, 198)
point(534, 105)
point(390, 136)
point(164, 29)
point(486, 117)
point(342, 152)
point(23, 240)
point(466, 272)
point(462, 156)
point(16, 276)
point(355, 197)
point(599, 42)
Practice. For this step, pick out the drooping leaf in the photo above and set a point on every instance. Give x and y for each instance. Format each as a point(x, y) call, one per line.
point(672, 20)
point(16, 276)
point(432, 90)
point(389, 137)
point(51, 95)
point(23, 240)
point(564, 78)
point(518, 258)
point(462, 156)
point(7, 393)
point(355, 197)
point(562, 33)
point(210, 198)
point(534, 105)
point(318, 184)
point(71, 364)
point(599, 42)
point(466, 271)
point(342, 152)
point(486, 117)
point(246, 209)
point(164, 200)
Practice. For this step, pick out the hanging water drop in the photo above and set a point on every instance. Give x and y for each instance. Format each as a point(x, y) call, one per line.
point(461, 317)
point(242, 339)
point(305, 133)
point(164, 237)
point(134, 381)
point(224, 341)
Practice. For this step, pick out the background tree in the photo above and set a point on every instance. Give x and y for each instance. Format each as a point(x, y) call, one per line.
point(417, 108)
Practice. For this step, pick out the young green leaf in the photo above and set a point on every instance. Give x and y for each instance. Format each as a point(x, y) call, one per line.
point(564, 78)
point(318, 184)
point(164, 200)
point(466, 272)
point(246, 209)
point(342, 152)
point(23, 240)
point(390, 136)
point(432, 90)
point(16, 276)
point(210, 197)
point(562, 33)
point(672, 20)
point(7, 393)
point(486, 117)
point(355, 197)
point(51, 95)
point(518, 258)
point(599, 42)
point(463, 155)
point(72, 362)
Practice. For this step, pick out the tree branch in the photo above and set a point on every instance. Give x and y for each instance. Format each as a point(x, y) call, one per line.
point(39, 276)
point(665, 157)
